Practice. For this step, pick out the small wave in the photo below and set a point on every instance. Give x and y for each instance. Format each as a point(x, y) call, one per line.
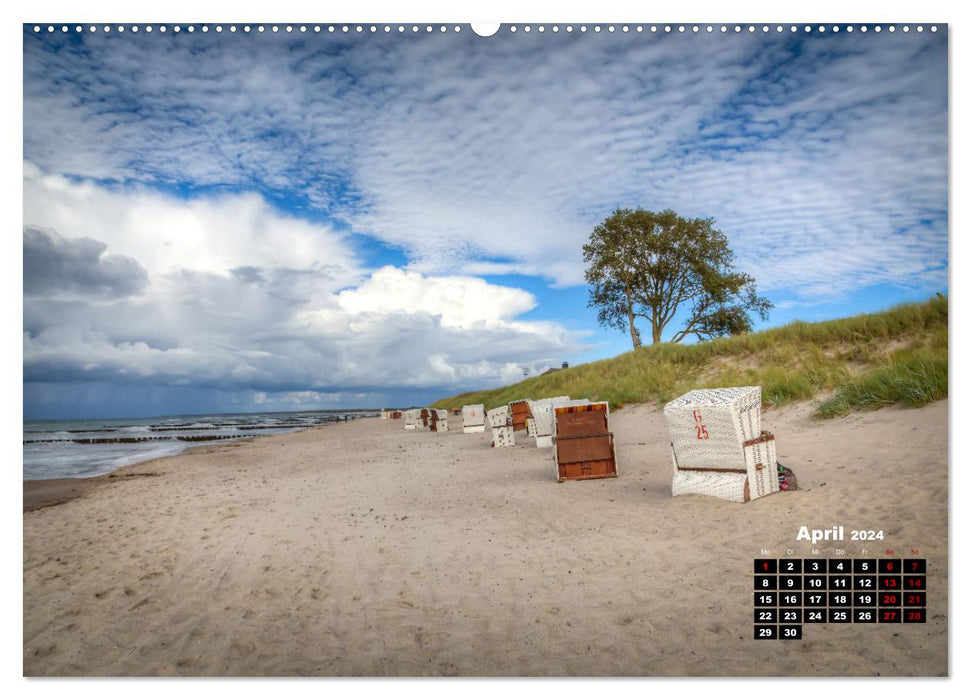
point(129, 429)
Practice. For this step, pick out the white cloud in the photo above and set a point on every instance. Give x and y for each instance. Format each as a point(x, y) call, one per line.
point(167, 234)
point(499, 157)
point(215, 332)
point(460, 302)
point(229, 294)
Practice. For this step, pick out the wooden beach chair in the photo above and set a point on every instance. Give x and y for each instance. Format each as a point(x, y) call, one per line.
point(583, 446)
point(520, 412)
point(718, 447)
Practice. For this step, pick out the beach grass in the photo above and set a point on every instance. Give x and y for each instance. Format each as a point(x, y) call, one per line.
point(897, 356)
point(909, 378)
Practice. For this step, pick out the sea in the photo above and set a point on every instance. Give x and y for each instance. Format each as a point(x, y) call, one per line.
point(58, 449)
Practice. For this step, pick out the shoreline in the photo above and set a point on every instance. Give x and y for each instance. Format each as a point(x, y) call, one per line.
point(45, 493)
point(368, 550)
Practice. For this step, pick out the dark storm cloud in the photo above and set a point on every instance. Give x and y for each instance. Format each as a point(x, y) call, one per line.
point(79, 266)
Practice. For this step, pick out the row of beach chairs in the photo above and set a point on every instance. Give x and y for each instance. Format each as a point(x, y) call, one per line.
point(432, 419)
point(718, 447)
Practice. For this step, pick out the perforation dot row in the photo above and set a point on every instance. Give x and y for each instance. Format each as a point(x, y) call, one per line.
point(415, 29)
point(303, 28)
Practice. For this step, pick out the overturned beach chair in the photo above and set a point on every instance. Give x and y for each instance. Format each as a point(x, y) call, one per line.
point(718, 447)
point(502, 431)
point(473, 418)
point(583, 446)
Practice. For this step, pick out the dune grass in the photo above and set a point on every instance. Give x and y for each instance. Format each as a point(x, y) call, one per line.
point(898, 356)
point(908, 378)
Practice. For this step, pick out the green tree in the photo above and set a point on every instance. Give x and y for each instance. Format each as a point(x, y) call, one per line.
point(649, 265)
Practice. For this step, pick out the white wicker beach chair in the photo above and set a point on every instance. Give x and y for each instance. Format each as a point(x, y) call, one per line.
point(718, 447)
point(531, 427)
point(503, 436)
point(412, 419)
point(473, 418)
point(542, 411)
point(440, 422)
point(498, 417)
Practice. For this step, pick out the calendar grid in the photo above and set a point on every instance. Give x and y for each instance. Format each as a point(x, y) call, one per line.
point(790, 593)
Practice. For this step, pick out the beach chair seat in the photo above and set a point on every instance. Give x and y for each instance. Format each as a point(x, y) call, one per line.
point(718, 447)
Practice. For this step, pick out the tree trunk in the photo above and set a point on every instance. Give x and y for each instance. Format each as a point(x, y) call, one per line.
point(656, 333)
point(635, 337)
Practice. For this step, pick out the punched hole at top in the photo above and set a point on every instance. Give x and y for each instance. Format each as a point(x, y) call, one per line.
point(485, 28)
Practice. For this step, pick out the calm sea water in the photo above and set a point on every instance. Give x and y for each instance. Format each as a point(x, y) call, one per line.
point(68, 449)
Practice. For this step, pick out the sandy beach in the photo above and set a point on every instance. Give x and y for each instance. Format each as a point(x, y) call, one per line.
point(362, 549)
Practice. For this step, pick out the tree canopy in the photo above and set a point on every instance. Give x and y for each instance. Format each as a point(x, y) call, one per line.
point(643, 264)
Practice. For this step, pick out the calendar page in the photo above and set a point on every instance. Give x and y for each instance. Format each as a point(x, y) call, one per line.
point(527, 349)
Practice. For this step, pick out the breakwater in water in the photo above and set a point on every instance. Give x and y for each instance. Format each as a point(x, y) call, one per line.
point(65, 449)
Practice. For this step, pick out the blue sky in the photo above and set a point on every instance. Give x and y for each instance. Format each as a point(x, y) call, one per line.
point(228, 221)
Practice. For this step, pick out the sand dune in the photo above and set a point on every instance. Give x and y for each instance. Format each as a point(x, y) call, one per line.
point(362, 549)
